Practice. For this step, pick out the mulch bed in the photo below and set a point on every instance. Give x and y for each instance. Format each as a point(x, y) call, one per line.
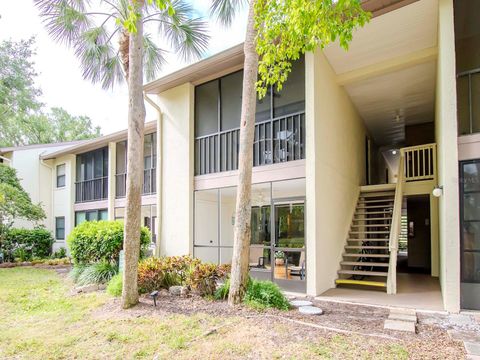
point(430, 342)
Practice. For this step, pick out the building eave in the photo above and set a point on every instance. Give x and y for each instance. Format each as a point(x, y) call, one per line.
point(97, 143)
point(230, 60)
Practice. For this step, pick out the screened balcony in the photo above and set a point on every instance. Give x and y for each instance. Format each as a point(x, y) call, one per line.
point(149, 163)
point(279, 127)
point(92, 176)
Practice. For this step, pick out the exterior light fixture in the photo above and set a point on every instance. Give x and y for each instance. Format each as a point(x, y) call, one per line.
point(394, 152)
point(154, 296)
point(437, 191)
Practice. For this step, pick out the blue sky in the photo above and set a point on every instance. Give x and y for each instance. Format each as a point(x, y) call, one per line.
point(59, 73)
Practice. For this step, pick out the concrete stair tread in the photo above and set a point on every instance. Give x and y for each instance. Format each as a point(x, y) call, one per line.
point(366, 255)
point(366, 247)
point(374, 219)
point(365, 240)
point(360, 282)
point(373, 212)
point(370, 225)
point(374, 201)
point(361, 272)
point(370, 232)
point(363, 263)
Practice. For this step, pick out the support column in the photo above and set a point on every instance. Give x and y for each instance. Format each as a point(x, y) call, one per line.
point(158, 184)
point(447, 158)
point(112, 169)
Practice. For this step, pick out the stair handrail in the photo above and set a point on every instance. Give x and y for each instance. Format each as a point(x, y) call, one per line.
point(395, 228)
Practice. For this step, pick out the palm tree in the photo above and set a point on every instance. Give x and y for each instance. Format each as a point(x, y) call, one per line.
point(109, 39)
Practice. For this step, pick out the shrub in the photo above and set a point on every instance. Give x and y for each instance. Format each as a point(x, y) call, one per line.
point(76, 272)
point(99, 273)
point(60, 253)
point(259, 295)
point(26, 244)
point(115, 285)
point(265, 294)
point(203, 277)
point(94, 241)
point(156, 273)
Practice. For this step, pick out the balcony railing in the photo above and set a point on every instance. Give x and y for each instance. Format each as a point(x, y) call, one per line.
point(420, 162)
point(91, 190)
point(149, 183)
point(278, 140)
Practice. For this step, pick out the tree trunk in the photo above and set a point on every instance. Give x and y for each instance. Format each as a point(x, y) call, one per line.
point(242, 235)
point(136, 121)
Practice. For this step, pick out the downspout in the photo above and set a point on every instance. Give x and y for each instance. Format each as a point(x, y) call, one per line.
point(42, 162)
point(159, 170)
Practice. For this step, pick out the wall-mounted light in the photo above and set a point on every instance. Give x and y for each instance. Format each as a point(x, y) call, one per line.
point(437, 191)
point(394, 152)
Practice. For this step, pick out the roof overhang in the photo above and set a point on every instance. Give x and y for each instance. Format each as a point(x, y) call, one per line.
point(97, 143)
point(231, 59)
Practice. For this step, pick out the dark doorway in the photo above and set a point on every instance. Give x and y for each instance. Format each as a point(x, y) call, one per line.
point(417, 258)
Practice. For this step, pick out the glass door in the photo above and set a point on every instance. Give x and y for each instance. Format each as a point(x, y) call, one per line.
point(288, 244)
point(470, 234)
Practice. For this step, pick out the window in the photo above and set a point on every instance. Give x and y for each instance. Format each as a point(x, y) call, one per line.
point(60, 175)
point(279, 129)
point(90, 215)
point(60, 228)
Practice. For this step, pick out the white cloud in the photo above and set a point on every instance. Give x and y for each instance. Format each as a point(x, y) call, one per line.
point(60, 76)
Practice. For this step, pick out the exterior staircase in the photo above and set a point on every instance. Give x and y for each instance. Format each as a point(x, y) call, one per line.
point(366, 256)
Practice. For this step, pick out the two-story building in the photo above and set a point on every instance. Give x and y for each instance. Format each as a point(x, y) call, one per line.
point(365, 164)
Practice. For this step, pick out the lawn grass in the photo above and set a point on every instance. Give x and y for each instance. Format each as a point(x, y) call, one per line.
point(40, 320)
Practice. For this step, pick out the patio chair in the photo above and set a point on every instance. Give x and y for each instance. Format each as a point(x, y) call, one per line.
point(297, 270)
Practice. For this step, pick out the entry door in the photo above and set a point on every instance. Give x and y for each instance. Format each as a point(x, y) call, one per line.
point(470, 233)
point(288, 245)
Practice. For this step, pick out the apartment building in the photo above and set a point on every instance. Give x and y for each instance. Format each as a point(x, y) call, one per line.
point(366, 164)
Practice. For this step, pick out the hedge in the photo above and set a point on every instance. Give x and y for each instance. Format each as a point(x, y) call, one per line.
point(26, 243)
point(94, 241)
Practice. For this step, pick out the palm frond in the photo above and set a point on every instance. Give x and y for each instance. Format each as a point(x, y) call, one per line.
point(153, 58)
point(224, 11)
point(99, 61)
point(65, 20)
point(187, 36)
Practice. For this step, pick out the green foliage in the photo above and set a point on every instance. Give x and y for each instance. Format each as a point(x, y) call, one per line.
point(202, 277)
point(22, 118)
point(259, 295)
point(265, 294)
point(94, 241)
point(15, 203)
point(115, 286)
point(156, 273)
point(289, 28)
point(100, 39)
point(25, 244)
point(60, 253)
point(98, 273)
point(161, 273)
point(76, 271)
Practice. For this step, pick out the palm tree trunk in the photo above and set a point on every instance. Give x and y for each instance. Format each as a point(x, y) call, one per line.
point(242, 235)
point(136, 121)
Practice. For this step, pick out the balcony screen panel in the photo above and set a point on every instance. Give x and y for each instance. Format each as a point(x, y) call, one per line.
point(88, 166)
point(147, 151)
point(98, 164)
point(475, 79)
point(463, 112)
point(206, 108)
point(263, 108)
point(292, 97)
point(121, 155)
point(231, 99)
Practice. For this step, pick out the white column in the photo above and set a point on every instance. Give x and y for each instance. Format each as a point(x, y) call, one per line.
point(158, 184)
point(447, 159)
point(112, 164)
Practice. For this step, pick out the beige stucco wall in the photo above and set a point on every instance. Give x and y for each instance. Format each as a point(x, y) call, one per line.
point(447, 160)
point(63, 198)
point(176, 236)
point(335, 167)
